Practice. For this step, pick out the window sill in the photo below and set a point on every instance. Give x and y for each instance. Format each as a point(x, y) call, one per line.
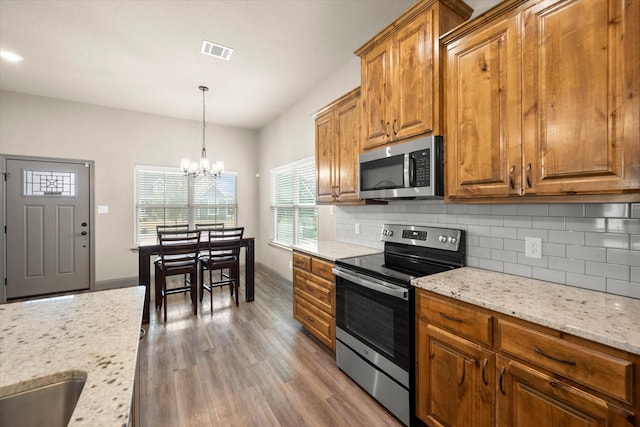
point(281, 246)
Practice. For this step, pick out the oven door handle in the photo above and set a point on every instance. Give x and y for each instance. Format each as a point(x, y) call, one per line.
point(373, 284)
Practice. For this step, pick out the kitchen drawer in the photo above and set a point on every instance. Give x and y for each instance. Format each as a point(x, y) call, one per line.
point(316, 321)
point(466, 321)
point(322, 268)
point(315, 290)
point(597, 370)
point(302, 261)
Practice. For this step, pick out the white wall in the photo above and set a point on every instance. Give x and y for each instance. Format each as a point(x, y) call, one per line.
point(292, 137)
point(117, 140)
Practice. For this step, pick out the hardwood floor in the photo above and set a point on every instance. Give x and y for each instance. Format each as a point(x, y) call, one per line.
point(251, 365)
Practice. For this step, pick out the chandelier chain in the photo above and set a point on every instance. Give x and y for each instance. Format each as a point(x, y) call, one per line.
point(204, 146)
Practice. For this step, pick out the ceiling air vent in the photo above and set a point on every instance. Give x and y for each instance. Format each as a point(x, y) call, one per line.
point(213, 49)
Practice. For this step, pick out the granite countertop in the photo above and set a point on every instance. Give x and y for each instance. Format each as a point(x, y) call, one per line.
point(332, 250)
point(604, 318)
point(92, 334)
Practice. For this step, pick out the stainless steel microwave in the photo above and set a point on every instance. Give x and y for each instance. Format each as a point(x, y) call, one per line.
point(410, 170)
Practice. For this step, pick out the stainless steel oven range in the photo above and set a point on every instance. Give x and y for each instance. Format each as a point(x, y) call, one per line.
point(375, 309)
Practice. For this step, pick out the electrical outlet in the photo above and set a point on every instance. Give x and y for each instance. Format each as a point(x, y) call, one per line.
point(533, 247)
point(290, 265)
point(357, 229)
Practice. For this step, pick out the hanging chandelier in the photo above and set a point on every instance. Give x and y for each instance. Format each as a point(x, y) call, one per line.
point(204, 167)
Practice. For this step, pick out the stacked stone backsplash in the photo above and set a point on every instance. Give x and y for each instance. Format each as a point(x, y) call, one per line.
point(591, 246)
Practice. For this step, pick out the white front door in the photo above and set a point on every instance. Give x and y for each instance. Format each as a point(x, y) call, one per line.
point(48, 242)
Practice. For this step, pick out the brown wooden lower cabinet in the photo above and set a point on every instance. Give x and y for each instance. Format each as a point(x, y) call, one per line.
point(455, 377)
point(528, 397)
point(314, 297)
point(520, 374)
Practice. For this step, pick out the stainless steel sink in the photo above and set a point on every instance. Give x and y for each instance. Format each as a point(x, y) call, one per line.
point(49, 405)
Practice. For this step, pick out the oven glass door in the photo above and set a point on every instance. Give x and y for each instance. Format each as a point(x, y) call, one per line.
point(379, 320)
point(381, 174)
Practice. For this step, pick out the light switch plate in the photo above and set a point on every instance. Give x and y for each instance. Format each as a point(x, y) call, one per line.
point(103, 209)
point(533, 247)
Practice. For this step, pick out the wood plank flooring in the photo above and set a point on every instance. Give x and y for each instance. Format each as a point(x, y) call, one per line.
point(251, 365)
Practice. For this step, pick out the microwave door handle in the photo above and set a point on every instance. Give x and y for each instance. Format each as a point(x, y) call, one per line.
point(379, 286)
point(412, 171)
point(408, 176)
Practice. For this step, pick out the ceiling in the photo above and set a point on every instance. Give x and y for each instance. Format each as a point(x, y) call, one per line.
point(144, 55)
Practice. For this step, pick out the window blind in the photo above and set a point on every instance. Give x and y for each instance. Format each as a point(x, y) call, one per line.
point(293, 211)
point(164, 196)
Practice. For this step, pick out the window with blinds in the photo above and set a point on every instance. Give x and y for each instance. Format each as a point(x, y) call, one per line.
point(294, 216)
point(166, 196)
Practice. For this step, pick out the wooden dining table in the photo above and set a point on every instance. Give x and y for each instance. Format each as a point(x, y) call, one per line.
point(148, 248)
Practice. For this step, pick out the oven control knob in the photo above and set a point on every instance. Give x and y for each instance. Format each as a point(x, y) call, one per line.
point(389, 233)
point(452, 240)
point(443, 239)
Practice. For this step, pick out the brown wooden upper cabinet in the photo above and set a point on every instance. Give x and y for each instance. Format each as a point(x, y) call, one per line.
point(400, 71)
point(337, 148)
point(542, 98)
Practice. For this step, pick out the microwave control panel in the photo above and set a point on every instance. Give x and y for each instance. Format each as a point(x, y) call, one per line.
point(422, 172)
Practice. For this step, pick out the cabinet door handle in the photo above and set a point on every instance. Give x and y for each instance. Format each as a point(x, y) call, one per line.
point(548, 356)
point(511, 183)
point(393, 127)
point(485, 362)
point(529, 175)
point(461, 367)
point(337, 187)
point(502, 370)
point(386, 129)
point(453, 319)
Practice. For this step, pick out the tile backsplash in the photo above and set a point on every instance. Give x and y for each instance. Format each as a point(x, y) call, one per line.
point(591, 246)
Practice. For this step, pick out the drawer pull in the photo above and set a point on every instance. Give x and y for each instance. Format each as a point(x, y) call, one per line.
point(453, 319)
point(565, 361)
point(484, 371)
point(502, 380)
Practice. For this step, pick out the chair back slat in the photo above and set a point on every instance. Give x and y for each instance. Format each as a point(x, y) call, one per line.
point(171, 227)
point(178, 249)
point(209, 226)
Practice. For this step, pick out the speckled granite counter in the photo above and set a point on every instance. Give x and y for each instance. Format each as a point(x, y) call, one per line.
point(331, 250)
point(94, 334)
point(603, 318)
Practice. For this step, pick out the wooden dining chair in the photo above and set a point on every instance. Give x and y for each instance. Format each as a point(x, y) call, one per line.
point(178, 256)
point(171, 227)
point(205, 227)
point(223, 252)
